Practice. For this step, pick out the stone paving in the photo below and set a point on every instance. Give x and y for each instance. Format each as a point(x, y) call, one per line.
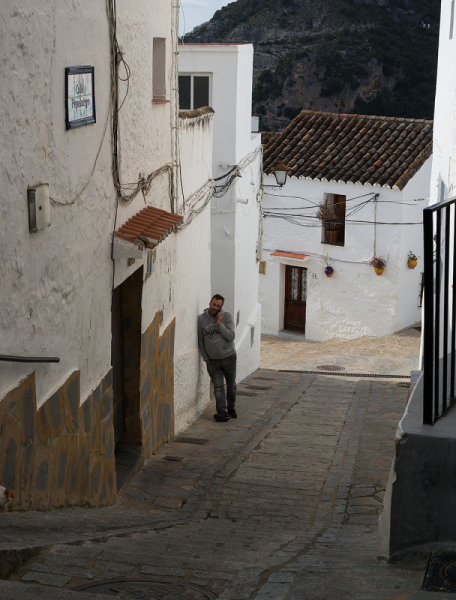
point(279, 504)
point(396, 354)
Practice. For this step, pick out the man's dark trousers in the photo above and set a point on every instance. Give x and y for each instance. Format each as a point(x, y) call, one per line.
point(221, 369)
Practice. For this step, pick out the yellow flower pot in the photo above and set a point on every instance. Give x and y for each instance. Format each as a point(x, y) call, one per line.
point(412, 262)
point(379, 271)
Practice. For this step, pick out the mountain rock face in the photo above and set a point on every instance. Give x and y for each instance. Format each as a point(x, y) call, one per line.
point(344, 56)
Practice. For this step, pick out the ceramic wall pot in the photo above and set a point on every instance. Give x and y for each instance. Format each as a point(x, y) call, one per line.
point(329, 271)
point(412, 262)
point(379, 271)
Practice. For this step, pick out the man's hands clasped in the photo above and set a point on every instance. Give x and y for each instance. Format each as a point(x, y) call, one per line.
point(219, 322)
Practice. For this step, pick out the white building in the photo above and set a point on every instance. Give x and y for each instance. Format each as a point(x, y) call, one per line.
point(220, 75)
point(372, 174)
point(418, 516)
point(443, 180)
point(100, 287)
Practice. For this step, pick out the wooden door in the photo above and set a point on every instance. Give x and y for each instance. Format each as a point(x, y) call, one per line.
point(295, 298)
point(117, 363)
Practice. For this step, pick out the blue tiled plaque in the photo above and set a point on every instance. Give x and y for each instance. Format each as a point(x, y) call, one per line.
point(79, 96)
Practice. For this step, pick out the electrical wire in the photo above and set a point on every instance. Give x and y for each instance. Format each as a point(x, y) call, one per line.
point(412, 203)
point(199, 195)
point(126, 192)
point(234, 173)
point(291, 218)
point(94, 164)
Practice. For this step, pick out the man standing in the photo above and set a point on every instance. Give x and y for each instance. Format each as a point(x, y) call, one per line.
point(216, 345)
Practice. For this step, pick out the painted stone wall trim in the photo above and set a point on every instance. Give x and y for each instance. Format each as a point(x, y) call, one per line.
point(157, 385)
point(63, 453)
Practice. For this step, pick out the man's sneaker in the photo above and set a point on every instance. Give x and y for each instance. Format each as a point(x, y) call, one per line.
point(221, 417)
point(232, 413)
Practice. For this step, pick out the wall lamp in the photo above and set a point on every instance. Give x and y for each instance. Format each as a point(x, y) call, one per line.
point(280, 173)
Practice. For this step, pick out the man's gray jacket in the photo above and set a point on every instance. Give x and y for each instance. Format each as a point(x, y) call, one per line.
point(216, 341)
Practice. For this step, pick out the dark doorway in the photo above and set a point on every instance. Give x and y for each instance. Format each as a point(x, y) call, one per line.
point(125, 361)
point(295, 298)
point(117, 363)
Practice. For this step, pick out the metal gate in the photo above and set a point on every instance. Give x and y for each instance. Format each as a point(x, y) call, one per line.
point(117, 362)
point(439, 326)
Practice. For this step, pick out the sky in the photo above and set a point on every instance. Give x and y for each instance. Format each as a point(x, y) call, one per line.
point(195, 12)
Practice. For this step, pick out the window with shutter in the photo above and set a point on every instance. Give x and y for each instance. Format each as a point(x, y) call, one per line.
point(333, 229)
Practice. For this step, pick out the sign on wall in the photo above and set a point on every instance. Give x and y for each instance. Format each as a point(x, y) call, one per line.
point(79, 96)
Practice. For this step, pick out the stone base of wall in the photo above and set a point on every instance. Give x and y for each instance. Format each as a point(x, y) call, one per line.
point(157, 385)
point(420, 503)
point(61, 454)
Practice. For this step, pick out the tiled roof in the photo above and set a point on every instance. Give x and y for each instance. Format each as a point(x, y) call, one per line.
point(290, 255)
point(150, 226)
point(267, 136)
point(196, 112)
point(351, 148)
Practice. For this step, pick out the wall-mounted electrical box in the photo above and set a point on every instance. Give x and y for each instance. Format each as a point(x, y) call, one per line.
point(39, 207)
point(150, 260)
point(259, 250)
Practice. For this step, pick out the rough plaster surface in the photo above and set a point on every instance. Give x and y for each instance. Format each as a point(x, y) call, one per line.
point(56, 284)
point(192, 389)
point(248, 346)
point(234, 225)
point(354, 301)
point(444, 157)
point(53, 281)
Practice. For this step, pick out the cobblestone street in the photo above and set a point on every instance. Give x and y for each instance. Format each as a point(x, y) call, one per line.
point(395, 354)
point(281, 503)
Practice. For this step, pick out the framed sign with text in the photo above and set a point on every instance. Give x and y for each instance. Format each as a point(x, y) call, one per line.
point(79, 96)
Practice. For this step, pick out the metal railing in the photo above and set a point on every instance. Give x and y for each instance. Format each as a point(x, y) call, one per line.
point(29, 359)
point(439, 324)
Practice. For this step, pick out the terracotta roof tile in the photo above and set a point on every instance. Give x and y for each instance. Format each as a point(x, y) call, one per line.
point(289, 255)
point(351, 148)
point(150, 225)
point(196, 112)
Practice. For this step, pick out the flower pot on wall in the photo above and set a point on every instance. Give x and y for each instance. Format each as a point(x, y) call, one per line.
point(378, 270)
point(411, 263)
point(329, 271)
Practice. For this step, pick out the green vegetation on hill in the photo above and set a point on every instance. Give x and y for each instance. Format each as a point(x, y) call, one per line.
point(375, 55)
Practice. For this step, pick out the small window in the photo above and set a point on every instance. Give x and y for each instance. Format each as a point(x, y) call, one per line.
point(193, 91)
point(159, 69)
point(333, 229)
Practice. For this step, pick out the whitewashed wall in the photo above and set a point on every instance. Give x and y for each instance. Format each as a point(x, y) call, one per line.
point(354, 301)
point(443, 178)
point(444, 149)
point(55, 284)
point(234, 225)
point(55, 291)
point(193, 272)
point(146, 142)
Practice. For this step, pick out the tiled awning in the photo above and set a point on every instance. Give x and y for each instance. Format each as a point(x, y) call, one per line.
point(290, 255)
point(149, 227)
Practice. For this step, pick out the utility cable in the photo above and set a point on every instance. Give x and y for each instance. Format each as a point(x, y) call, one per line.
point(96, 159)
